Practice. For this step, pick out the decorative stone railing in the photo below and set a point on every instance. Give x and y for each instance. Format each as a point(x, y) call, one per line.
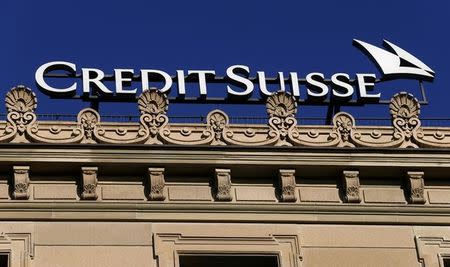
point(22, 126)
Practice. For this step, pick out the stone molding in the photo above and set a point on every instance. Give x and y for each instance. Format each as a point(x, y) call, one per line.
point(415, 187)
point(210, 212)
point(222, 184)
point(432, 249)
point(156, 184)
point(21, 182)
point(287, 185)
point(351, 190)
point(19, 246)
point(168, 246)
point(89, 183)
point(21, 126)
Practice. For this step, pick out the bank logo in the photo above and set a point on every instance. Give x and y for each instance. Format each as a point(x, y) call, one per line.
point(395, 63)
point(239, 84)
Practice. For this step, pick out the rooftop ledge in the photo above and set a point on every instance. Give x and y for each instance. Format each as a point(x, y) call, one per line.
point(282, 129)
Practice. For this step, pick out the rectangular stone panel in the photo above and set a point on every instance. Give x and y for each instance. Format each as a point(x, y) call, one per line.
point(55, 191)
point(384, 195)
point(4, 191)
point(317, 194)
point(199, 193)
point(255, 194)
point(122, 192)
point(439, 196)
point(348, 236)
point(93, 233)
point(93, 256)
point(358, 257)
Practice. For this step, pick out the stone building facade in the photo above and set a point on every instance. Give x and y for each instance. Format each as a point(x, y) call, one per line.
point(156, 193)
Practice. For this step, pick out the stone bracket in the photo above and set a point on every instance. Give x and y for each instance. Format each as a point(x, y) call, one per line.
point(415, 187)
point(157, 183)
point(287, 185)
point(350, 182)
point(89, 175)
point(21, 182)
point(222, 185)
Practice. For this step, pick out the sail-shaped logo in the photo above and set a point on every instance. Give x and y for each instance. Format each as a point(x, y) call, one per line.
point(395, 63)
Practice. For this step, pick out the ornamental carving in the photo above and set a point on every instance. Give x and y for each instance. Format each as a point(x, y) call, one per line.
point(287, 185)
point(21, 103)
point(153, 106)
point(153, 102)
point(88, 120)
point(21, 126)
point(222, 183)
point(405, 110)
point(415, 187)
point(217, 121)
point(405, 106)
point(156, 183)
point(20, 188)
point(89, 183)
point(350, 183)
point(89, 189)
point(21, 181)
point(281, 104)
point(344, 126)
point(282, 108)
point(21, 99)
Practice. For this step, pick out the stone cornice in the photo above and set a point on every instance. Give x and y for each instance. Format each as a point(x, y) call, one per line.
point(205, 156)
point(281, 129)
point(225, 212)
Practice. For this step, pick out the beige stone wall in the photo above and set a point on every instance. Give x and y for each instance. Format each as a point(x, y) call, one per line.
point(148, 215)
point(97, 244)
point(93, 193)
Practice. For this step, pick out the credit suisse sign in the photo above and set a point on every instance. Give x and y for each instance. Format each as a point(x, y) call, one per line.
point(393, 63)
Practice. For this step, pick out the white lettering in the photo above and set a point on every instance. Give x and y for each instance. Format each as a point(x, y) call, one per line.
point(118, 75)
point(42, 70)
point(96, 80)
point(240, 81)
point(202, 79)
point(316, 86)
point(364, 85)
point(341, 82)
point(263, 83)
point(167, 80)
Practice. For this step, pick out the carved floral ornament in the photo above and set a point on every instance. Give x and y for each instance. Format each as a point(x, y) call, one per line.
point(22, 126)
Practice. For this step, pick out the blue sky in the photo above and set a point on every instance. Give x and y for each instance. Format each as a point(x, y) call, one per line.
point(301, 36)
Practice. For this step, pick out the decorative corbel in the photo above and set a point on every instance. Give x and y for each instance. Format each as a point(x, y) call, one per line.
point(156, 182)
point(415, 187)
point(287, 185)
point(89, 175)
point(21, 182)
point(223, 185)
point(350, 181)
